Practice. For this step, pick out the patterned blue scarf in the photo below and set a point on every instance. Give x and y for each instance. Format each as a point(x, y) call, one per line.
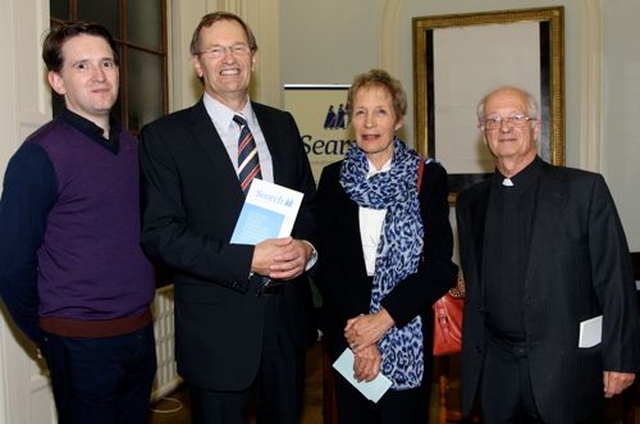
point(398, 253)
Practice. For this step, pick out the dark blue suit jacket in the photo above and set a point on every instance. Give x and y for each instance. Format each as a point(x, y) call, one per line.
point(191, 199)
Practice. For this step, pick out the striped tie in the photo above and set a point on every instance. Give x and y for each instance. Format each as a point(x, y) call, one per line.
point(248, 163)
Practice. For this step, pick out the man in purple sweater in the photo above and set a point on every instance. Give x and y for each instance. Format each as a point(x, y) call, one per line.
point(72, 274)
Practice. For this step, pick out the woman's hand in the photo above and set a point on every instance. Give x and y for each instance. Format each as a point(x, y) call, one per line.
point(364, 331)
point(366, 364)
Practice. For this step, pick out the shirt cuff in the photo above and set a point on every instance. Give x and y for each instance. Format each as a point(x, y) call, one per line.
point(314, 257)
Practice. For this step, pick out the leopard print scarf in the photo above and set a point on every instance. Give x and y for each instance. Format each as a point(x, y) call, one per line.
point(398, 252)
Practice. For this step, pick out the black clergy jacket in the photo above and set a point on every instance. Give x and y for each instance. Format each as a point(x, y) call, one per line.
point(579, 267)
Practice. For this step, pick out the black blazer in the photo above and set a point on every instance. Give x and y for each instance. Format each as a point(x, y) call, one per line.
point(343, 281)
point(191, 199)
point(579, 267)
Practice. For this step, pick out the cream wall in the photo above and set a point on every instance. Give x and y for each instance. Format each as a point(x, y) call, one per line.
point(331, 41)
point(621, 111)
point(327, 42)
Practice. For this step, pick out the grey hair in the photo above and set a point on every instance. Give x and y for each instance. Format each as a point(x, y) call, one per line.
point(532, 104)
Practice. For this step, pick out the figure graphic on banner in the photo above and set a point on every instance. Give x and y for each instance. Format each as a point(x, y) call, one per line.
point(340, 123)
point(330, 120)
point(334, 120)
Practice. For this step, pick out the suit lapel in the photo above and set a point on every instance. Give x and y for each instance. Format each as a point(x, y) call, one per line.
point(551, 197)
point(472, 213)
point(478, 216)
point(206, 135)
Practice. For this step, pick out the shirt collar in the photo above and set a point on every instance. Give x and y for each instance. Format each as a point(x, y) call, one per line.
point(222, 115)
point(93, 131)
point(373, 171)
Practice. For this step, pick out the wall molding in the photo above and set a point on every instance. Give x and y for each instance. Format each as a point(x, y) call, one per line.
point(591, 59)
point(264, 19)
point(390, 36)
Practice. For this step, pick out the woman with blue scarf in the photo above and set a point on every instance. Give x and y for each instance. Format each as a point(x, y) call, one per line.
point(385, 250)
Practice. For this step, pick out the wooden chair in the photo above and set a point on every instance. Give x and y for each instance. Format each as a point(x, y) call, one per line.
point(448, 374)
point(448, 371)
point(445, 412)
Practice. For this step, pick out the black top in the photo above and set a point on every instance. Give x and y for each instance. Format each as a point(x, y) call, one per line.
point(507, 242)
point(94, 132)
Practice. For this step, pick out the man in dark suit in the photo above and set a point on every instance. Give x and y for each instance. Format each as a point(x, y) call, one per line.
point(542, 251)
point(242, 312)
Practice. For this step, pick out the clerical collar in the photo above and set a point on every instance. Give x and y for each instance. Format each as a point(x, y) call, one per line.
point(523, 178)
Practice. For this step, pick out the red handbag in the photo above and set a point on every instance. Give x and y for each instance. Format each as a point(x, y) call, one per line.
point(447, 327)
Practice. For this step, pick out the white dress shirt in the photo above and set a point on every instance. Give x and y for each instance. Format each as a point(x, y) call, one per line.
point(222, 118)
point(371, 221)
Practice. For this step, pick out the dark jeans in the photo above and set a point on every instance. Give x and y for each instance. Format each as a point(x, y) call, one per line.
point(101, 380)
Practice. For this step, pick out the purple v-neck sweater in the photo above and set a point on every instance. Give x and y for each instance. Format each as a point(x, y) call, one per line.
point(71, 211)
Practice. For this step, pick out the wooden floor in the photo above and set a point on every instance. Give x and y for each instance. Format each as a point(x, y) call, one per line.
point(175, 409)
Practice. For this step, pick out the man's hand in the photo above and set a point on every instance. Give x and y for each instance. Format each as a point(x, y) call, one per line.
point(616, 382)
point(281, 259)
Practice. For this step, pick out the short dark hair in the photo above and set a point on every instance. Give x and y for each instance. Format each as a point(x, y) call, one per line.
point(379, 78)
point(58, 35)
point(211, 18)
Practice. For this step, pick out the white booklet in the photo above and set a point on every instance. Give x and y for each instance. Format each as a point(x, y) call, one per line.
point(269, 211)
point(372, 390)
point(590, 332)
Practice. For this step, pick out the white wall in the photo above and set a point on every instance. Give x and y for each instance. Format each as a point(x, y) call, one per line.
point(328, 41)
point(184, 88)
point(621, 124)
point(331, 41)
point(7, 74)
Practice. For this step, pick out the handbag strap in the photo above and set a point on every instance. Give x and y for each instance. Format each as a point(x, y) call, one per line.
point(419, 183)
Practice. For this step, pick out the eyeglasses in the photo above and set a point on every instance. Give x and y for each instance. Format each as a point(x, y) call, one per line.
point(217, 52)
point(495, 122)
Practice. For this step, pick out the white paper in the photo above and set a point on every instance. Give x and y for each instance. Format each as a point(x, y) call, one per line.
point(590, 332)
point(269, 211)
point(372, 390)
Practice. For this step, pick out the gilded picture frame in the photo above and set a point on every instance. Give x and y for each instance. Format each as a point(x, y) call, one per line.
point(460, 58)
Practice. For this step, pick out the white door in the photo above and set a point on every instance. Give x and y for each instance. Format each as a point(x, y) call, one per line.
point(25, 394)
